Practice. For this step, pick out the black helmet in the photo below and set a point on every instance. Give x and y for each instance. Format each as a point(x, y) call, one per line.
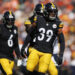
point(49, 8)
point(9, 19)
point(39, 9)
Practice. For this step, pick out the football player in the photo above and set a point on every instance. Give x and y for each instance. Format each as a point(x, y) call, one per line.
point(51, 16)
point(47, 29)
point(39, 10)
point(8, 42)
point(28, 23)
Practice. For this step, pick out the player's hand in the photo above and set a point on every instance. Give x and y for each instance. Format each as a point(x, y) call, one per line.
point(23, 53)
point(59, 59)
point(19, 57)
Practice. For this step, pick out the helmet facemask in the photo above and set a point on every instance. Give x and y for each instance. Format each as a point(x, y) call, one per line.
point(51, 11)
point(39, 9)
point(52, 14)
point(10, 22)
point(9, 19)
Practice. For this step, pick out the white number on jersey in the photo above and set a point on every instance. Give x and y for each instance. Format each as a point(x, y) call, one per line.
point(49, 34)
point(10, 41)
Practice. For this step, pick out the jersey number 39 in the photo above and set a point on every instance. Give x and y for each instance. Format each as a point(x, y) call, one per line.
point(43, 32)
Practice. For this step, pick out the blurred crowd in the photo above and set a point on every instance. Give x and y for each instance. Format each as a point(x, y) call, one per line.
point(23, 9)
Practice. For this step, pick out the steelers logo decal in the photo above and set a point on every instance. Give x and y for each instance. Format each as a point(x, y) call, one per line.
point(54, 26)
point(15, 31)
point(47, 24)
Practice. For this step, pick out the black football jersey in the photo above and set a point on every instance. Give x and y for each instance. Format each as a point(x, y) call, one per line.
point(33, 38)
point(46, 33)
point(8, 41)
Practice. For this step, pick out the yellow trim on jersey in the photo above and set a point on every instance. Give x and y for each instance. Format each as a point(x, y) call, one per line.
point(35, 18)
point(61, 25)
point(27, 22)
point(42, 6)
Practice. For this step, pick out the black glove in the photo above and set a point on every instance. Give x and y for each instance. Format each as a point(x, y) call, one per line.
point(19, 56)
point(23, 53)
point(58, 59)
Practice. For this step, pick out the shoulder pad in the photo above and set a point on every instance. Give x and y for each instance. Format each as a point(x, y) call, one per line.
point(15, 27)
point(35, 18)
point(27, 22)
point(15, 30)
point(61, 25)
point(0, 28)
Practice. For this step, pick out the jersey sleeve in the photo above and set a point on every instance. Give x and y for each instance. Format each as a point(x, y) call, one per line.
point(16, 44)
point(27, 24)
point(60, 27)
point(62, 43)
point(33, 18)
point(0, 30)
point(61, 24)
point(29, 37)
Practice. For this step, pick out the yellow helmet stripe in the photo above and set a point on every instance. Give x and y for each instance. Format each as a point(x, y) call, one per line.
point(52, 4)
point(42, 6)
point(10, 12)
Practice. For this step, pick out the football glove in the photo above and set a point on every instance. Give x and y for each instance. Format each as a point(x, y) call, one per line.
point(23, 53)
point(59, 59)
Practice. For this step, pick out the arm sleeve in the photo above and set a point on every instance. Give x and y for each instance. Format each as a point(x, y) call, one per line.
point(61, 24)
point(32, 18)
point(28, 38)
point(16, 46)
point(0, 30)
point(26, 41)
point(62, 43)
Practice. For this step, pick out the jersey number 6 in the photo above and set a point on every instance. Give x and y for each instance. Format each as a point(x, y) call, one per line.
point(10, 41)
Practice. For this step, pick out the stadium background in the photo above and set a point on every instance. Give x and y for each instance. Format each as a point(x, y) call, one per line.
point(24, 9)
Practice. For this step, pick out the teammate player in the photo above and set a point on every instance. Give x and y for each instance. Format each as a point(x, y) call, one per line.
point(51, 15)
point(28, 23)
point(8, 42)
point(47, 29)
point(39, 10)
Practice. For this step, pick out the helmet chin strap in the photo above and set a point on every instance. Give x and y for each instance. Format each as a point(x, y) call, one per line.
point(9, 26)
point(52, 18)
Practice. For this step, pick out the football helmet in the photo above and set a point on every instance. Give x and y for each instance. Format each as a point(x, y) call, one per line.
point(39, 9)
point(9, 19)
point(51, 11)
